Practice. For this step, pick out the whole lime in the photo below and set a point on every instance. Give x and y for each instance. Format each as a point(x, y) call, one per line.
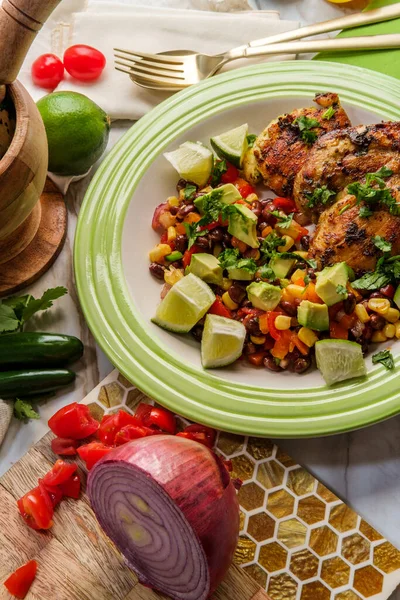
point(77, 131)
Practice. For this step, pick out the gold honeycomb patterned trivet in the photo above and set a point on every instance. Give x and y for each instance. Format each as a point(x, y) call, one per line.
point(298, 540)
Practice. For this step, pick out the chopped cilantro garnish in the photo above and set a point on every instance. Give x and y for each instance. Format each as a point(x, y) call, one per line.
point(387, 271)
point(247, 264)
point(321, 195)
point(340, 289)
point(309, 261)
point(385, 357)
point(365, 212)
point(251, 138)
point(189, 191)
point(374, 190)
point(270, 244)
point(266, 272)
point(328, 114)
point(285, 221)
point(193, 233)
point(382, 244)
point(305, 125)
point(220, 167)
point(229, 257)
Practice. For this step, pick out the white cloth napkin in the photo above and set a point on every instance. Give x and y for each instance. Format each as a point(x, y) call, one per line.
point(106, 25)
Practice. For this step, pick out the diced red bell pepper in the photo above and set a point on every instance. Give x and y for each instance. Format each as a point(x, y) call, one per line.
point(304, 349)
point(219, 308)
point(244, 187)
point(18, 583)
point(210, 434)
point(73, 421)
point(164, 240)
point(286, 204)
point(230, 175)
point(210, 226)
point(187, 257)
point(283, 345)
point(348, 321)
point(36, 509)
point(337, 331)
point(246, 310)
point(155, 417)
point(257, 358)
point(64, 446)
point(72, 487)
point(273, 331)
point(301, 231)
point(92, 453)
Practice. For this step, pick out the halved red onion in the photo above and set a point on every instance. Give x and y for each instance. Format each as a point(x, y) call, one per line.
point(170, 507)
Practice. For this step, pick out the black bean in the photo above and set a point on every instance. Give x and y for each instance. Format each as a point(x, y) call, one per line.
point(262, 225)
point(311, 273)
point(364, 347)
point(253, 327)
point(252, 253)
point(236, 293)
point(177, 264)
point(377, 295)
point(256, 208)
point(181, 243)
point(197, 332)
point(182, 183)
point(267, 216)
point(367, 333)
point(174, 210)
point(349, 303)
point(301, 365)
point(203, 242)
point(246, 303)
point(305, 242)
point(157, 270)
point(264, 202)
point(250, 348)
point(185, 210)
point(226, 240)
point(270, 364)
point(357, 330)
point(289, 308)
point(216, 234)
point(377, 322)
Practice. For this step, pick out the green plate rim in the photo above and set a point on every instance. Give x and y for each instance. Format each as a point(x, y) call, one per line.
point(121, 331)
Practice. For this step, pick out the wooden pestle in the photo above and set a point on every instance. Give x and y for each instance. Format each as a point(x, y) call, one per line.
point(20, 21)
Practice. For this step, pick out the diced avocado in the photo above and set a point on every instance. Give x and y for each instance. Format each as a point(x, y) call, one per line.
point(243, 224)
point(230, 194)
point(396, 297)
point(281, 266)
point(207, 267)
point(264, 295)
point(240, 274)
point(314, 316)
point(328, 282)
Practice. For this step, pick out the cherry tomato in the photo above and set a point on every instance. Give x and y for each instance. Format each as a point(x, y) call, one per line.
point(73, 421)
point(286, 204)
point(47, 71)
point(244, 188)
point(64, 446)
point(36, 509)
point(209, 433)
point(230, 175)
point(84, 62)
point(54, 493)
point(60, 473)
point(72, 487)
point(19, 583)
point(92, 453)
point(130, 432)
point(160, 418)
point(219, 308)
point(111, 424)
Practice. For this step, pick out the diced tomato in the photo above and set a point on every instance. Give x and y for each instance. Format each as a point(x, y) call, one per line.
point(73, 421)
point(60, 473)
point(19, 583)
point(195, 436)
point(263, 323)
point(72, 487)
point(246, 310)
point(92, 453)
point(388, 290)
point(210, 226)
point(187, 257)
point(111, 424)
point(301, 231)
point(180, 228)
point(219, 308)
point(230, 175)
point(160, 209)
point(54, 493)
point(209, 433)
point(286, 204)
point(311, 294)
point(244, 188)
point(283, 344)
point(304, 349)
point(273, 331)
point(348, 321)
point(36, 509)
point(154, 417)
point(257, 358)
point(64, 446)
point(128, 433)
point(337, 331)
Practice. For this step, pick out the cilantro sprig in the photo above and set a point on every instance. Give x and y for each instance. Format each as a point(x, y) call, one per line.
point(321, 195)
point(328, 114)
point(285, 221)
point(382, 244)
point(17, 310)
point(230, 258)
point(193, 232)
point(220, 167)
point(385, 357)
point(24, 410)
point(251, 138)
point(387, 271)
point(374, 191)
point(306, 125)
point(340, 289)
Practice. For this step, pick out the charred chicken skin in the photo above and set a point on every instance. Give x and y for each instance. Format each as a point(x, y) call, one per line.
point(281, 150)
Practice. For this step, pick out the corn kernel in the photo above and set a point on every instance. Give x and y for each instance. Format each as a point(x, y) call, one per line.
point(172, 275)
point(296, 291)
point(287, 245)
point(266, 231)
point(251, 198)
point(378, 336)
point(159, 251)
point(226, 283)
point(229, 303)
point(379, 305)
point(173, 201)
point(389, 330)
point(259, 340)
point(397, 327)
point(182, 194)
point(307, 336)
point(171, 234)
point(283, 322)
point(298, 274)
point(217, 250)
point(392, 315)
point(362, 313)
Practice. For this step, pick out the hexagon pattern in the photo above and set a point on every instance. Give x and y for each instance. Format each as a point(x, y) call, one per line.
point(298, 540)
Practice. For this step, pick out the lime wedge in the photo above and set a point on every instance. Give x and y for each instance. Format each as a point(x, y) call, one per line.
point(232, 144)
point(222, 341)
point(185, 304)
point(339, 360)
point(194, 162)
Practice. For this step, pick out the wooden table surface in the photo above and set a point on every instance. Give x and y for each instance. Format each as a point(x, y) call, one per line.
point(76, 560)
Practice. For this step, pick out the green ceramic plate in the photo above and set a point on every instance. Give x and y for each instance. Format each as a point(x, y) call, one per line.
point(119, 296)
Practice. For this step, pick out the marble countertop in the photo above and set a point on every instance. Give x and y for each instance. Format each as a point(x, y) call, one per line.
point(362, 467)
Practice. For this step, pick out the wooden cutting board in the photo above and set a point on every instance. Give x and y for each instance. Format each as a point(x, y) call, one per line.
point(76, 560)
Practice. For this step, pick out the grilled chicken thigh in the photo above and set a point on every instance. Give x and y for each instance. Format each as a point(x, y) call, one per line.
point(280, 150)
point(343, 235)
point(344, 156)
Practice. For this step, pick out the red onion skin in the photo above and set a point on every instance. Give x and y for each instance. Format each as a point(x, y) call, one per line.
point(198, 483)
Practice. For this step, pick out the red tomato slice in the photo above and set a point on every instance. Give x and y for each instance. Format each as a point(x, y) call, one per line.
point(72, 487)
point(219, 308)
point(19, 583)
point(73, 421)
point(196, 437)
point(244, 188)
point(64, 446)
point(286, 204)
point(36, 509)
point(160, 418)
point(130, 432)
point(92, 453)
point(111, 424)
point(54, 493)
point(60, 473)
point(209, 433)
point(230, 175)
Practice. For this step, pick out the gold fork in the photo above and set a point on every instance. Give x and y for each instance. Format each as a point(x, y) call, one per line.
point(178, 69)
